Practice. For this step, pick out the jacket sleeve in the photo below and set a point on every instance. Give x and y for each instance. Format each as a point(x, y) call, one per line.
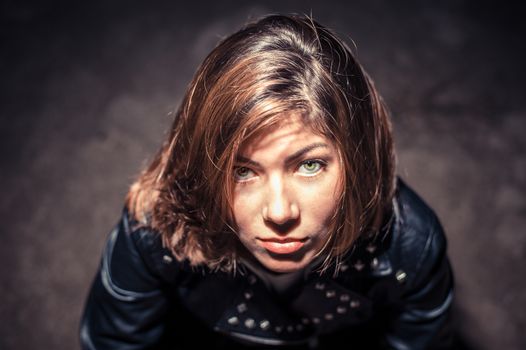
point(127, 304)
point(423, 321)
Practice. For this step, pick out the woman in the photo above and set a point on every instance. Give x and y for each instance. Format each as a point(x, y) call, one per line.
point(271, 216)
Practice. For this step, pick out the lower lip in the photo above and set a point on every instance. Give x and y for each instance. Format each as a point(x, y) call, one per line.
point(282, 247)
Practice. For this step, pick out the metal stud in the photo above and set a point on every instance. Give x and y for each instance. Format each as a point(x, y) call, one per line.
point(315, 320)
point(354, 304)
point(167, 259)
point(299, 327)
point(305, 320)
point(375, 263)
point(330, 294)
point(345, 298)
point(371, 248)
point(341, 309)
point(328, 316)
point(250, 323)
point(319, 286)
point(290, 329)
point(359, 265)
point(278, 329)
point(344, 267)
point(401, 276)
point(234, 321)
point(248, 294)
point(264, 325)
point(242, 308)
point(252, 279)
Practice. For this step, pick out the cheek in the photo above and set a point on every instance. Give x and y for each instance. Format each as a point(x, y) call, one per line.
point(244, 210)
point(321, 202)
point(322, 209)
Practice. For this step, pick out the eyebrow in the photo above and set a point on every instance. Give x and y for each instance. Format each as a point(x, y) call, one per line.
point(290, 159)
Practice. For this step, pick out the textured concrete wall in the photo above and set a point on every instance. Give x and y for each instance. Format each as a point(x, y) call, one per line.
point(85, 97)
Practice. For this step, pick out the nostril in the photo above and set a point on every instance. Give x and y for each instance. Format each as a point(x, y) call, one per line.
point(283, 228)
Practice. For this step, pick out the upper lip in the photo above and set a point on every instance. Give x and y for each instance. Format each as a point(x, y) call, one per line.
point(283, 240)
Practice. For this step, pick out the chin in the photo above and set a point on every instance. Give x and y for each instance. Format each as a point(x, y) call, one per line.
point(284, 266)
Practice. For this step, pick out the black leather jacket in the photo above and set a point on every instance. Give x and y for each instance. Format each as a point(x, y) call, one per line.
point(393, 292)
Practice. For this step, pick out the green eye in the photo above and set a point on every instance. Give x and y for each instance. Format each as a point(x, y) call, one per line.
point(242, 173)
point(310, 167)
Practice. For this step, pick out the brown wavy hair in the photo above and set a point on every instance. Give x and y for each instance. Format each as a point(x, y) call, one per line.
point(268, 70)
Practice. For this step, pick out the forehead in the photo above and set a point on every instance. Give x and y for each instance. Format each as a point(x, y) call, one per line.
point(289, 133)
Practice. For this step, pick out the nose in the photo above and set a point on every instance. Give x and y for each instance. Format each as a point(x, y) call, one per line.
point(280, 207)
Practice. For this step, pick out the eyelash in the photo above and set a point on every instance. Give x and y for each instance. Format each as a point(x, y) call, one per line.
point(321, 162)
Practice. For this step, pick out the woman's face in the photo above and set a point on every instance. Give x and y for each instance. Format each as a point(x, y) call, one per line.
point(287, 183)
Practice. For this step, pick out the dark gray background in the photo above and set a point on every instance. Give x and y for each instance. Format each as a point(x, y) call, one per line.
point(86, 92)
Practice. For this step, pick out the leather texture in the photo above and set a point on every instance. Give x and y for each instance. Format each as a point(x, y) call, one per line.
point(394, 291)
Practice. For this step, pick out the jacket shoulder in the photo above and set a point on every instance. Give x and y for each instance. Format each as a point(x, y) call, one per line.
point(418, 239)
point(135, 258)
point(127, 302)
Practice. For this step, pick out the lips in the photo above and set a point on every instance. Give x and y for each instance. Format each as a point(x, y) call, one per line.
point(282, 246)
